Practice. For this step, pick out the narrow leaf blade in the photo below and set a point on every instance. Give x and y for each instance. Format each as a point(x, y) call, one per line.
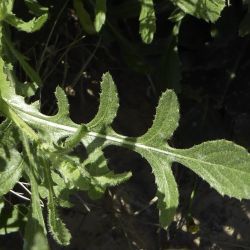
point(35, 7)
point(58, 229)
point(35, 231)
point(165, 122)
point(84, 17)
point(167, 191)
point(100, 14)
point(147, 21)
point(31, 73)
point(109, 104)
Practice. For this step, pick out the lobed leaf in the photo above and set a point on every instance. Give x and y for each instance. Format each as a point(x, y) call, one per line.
point(224, 165)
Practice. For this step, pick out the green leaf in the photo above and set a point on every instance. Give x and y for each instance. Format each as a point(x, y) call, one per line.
point(63, 107)
point(73, 140)
point(11, 167)
point(100, 14)
point(5, 88)
point(27, 89)
point(147, 21)
point(31, 73)
point(223, 164)
point(6, 7)
point(57, 228)
point(35, 231)
point(165, 122)
point(167, 191)
point(100, 183)
point(109, 104)
point(30, 26)
point(35, 8)
point(62, 190)
point(34, 238)
point(95, 171)
point(8, 135)
point(12, 115)
point(96, 163)
point(73, 177)
point(84, 17)
point(12, 219)
point(209, 10)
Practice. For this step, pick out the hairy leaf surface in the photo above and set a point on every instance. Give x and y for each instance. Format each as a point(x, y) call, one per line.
point(31, 26)
point(58, 229)
point(224, 165)
point(167, 191)
point(165, 123)
point(35, 232)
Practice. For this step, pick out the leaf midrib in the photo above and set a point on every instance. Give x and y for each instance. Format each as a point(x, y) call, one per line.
point(124, 140)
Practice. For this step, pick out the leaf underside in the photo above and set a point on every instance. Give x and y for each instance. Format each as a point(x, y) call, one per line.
point(49, 142)
point(224, 165)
